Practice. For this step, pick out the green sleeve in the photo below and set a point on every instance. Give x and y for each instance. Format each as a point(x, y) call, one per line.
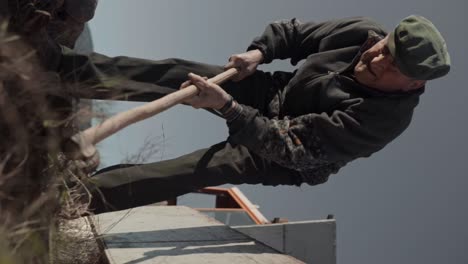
point(296, 40)
point(317, 145)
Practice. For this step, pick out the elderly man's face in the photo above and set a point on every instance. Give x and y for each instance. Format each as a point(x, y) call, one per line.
point(376, 69)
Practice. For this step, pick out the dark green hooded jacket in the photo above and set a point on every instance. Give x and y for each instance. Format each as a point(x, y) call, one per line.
point(322, 118)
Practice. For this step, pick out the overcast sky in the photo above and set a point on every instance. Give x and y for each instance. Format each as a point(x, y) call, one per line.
point(405, 204)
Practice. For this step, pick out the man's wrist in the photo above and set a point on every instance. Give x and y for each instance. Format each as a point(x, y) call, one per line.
point(227, 105)
point(259, 56)
point(231, 110)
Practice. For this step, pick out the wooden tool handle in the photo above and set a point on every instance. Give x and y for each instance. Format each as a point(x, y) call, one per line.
point(121, 120)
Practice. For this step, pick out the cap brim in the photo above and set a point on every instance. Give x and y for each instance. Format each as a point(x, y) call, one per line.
point(393, 51)
point(391, 44)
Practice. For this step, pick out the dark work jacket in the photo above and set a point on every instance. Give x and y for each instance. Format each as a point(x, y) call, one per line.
point(324, 118)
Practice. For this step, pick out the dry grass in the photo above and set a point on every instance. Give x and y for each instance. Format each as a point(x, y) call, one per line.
point(36, 119)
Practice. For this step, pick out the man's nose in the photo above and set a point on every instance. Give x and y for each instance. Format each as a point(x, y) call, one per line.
point(383, 60)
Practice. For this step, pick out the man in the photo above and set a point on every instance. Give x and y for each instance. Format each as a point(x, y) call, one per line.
point(354, 93)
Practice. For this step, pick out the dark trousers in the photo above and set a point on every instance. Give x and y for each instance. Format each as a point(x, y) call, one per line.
point(125, 186)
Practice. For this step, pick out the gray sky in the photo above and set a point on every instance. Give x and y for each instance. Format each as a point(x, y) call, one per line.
point(405, 204)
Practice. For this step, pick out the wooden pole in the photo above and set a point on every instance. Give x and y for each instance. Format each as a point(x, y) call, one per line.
point(90, 137)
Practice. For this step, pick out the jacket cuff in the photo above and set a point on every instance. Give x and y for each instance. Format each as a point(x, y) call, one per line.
point(238, 126)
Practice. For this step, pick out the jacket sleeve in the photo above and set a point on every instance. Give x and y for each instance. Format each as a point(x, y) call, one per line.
point(296, 40)
point(316, 145)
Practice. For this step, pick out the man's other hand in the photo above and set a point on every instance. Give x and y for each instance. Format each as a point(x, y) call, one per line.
point(246, 63)
point(210, 95)
point(77, 157)
point(88, 164)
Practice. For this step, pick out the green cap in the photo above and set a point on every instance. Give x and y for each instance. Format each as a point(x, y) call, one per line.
point(419, 50)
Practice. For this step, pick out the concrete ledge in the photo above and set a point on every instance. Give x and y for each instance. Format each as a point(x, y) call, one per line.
point(309, 241)
point(174, 234)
